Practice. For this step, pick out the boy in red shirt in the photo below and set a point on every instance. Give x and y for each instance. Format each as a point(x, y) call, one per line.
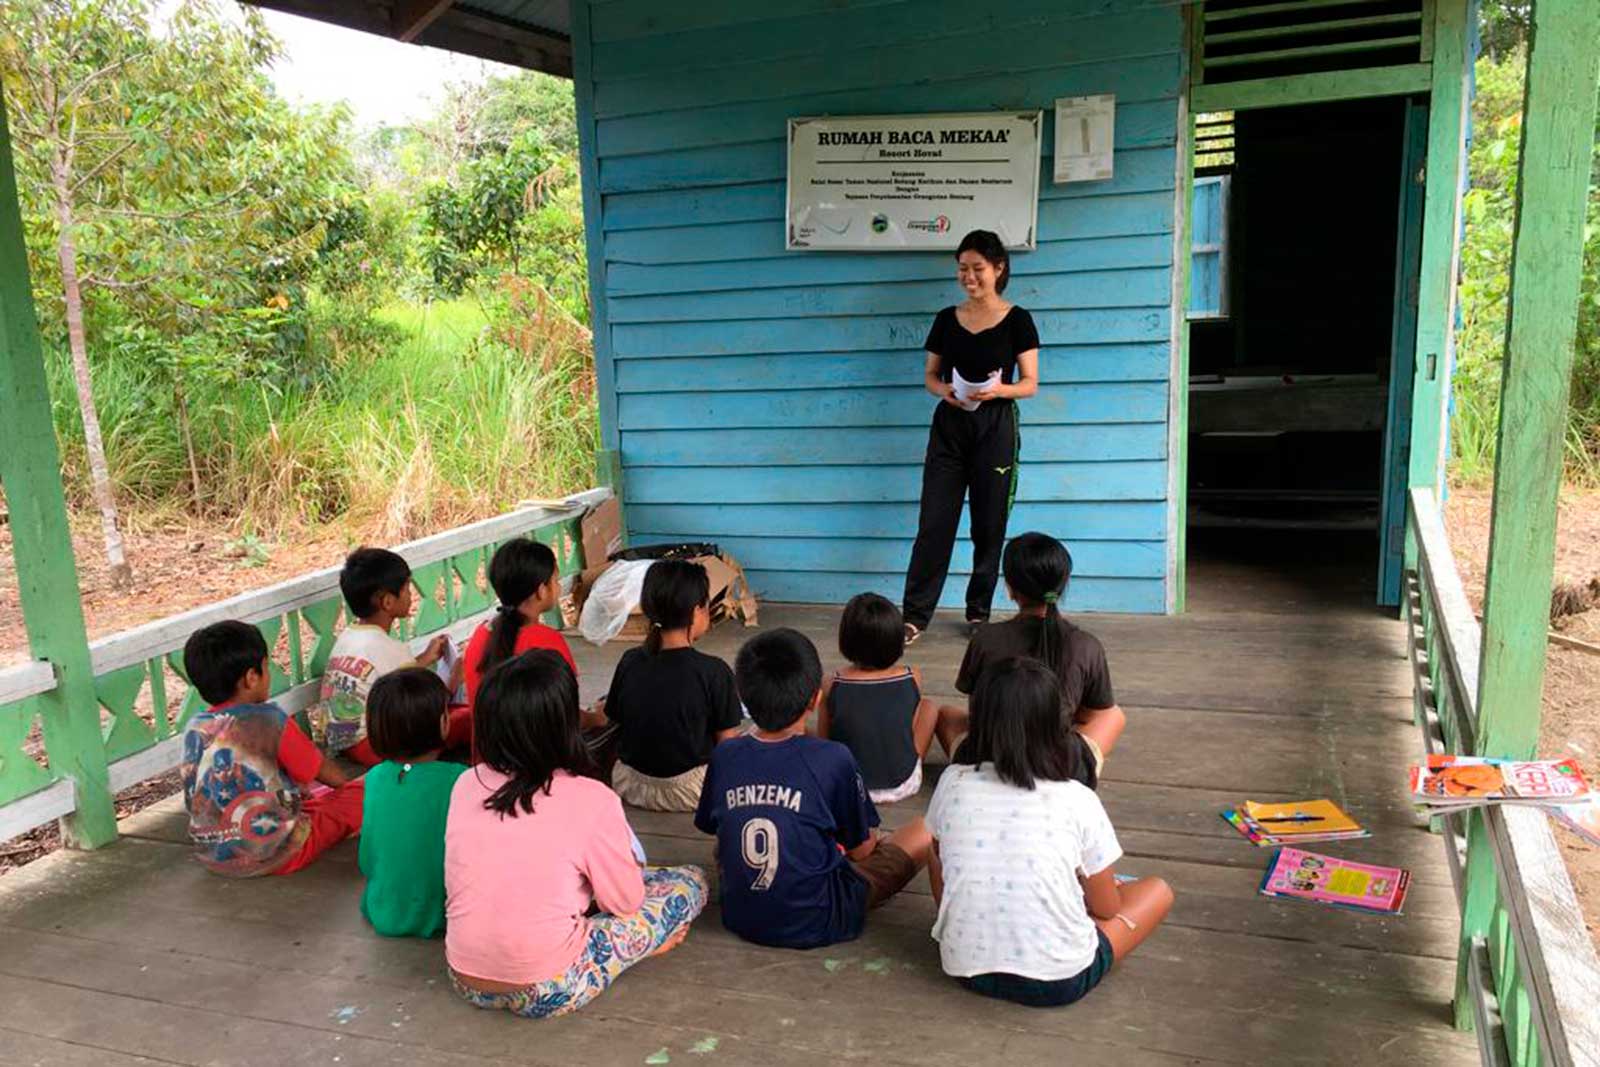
point(245, 764)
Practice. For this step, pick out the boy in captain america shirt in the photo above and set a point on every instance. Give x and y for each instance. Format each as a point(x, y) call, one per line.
point(245, 763)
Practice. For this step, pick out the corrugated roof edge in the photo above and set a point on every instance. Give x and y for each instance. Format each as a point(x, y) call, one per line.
point(485, 29)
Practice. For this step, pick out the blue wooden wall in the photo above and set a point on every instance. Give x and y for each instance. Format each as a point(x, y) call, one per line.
point(772, 400)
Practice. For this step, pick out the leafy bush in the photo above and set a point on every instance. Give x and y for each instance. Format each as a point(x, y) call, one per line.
point(1488, 207)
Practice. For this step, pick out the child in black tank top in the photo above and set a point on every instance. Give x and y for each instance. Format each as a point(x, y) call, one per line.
point(875, 707)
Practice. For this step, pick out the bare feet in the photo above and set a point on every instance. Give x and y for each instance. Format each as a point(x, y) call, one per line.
point(672, 942)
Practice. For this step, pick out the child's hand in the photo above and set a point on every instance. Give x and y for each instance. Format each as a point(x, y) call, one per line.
point(435, 649)
point(950, 395)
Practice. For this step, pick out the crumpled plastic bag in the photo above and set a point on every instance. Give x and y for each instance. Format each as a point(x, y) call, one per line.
point(614, 596)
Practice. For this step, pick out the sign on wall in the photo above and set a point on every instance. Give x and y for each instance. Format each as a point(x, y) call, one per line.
point(914, 182)
point(1085, 136)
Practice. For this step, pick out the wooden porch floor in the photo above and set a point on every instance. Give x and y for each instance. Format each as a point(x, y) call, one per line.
point(1280, 682)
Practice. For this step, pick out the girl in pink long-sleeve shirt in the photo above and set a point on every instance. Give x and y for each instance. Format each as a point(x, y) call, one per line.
point(531, 843)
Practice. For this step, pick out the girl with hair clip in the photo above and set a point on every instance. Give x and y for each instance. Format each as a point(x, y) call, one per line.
point(547, 901)
point(1030, 909)
point(671, 702)
point(1037, 569)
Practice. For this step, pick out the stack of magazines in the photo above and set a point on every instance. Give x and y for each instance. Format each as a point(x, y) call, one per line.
point(1267, 825)
point(1448, 783)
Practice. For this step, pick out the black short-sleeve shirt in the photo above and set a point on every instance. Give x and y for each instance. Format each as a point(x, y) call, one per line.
point(977, 355)
point(1082, 669)
point(670, 706)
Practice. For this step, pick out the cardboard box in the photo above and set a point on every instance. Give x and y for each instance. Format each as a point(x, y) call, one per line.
point(602, 532)
point(730, 596)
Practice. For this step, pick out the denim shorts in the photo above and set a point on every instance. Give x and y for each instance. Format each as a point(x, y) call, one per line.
point(1037, 994)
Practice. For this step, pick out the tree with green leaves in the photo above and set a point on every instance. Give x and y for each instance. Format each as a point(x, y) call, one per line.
point(179, 200)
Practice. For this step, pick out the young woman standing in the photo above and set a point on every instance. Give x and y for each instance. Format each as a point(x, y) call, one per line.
point(986, 340)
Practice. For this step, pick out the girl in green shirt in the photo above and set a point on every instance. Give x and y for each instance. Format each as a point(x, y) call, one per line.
point(407, 799)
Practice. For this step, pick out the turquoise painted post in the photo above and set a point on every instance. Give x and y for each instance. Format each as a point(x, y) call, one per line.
point(1541, 326)
point(1441, 248)
point(47, 574)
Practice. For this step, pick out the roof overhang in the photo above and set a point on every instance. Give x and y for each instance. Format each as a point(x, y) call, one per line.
point(523, 33)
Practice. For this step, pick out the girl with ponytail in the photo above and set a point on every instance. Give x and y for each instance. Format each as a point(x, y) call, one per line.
point(671, 702)
point(525, 579)
point(1037, 569)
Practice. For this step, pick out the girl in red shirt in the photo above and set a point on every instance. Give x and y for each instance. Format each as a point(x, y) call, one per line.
point(524, 577)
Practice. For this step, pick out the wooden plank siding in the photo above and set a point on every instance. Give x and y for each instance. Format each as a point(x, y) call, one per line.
point(770, 400)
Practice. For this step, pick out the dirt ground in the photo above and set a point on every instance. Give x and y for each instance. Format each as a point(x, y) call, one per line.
point(173, 570)
point(1572, 677)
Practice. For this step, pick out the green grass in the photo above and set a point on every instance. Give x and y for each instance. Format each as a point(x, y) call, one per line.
point(465, 412)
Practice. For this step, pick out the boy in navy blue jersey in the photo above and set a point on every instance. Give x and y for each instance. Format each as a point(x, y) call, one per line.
point(800, 863)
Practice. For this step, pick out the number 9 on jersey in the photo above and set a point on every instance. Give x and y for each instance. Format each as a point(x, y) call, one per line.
point(760, 846)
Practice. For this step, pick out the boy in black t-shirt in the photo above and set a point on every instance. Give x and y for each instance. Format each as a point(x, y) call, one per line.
point(800, 865)
point(1037, 568)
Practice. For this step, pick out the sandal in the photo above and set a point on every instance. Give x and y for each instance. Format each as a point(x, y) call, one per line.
point(913, 631)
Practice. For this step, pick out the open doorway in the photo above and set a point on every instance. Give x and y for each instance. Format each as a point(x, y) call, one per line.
point(1302, 327)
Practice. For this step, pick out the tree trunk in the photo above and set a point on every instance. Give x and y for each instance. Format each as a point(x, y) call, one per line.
point(100, 473)
point(188, 445)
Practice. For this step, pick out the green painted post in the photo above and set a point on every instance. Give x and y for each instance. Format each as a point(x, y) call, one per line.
point(1479, 888)
point(47, 574)
point(1541, 327)
point(1441, 248)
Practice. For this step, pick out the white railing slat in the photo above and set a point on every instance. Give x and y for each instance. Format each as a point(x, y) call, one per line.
point(24, 680)
point(34, 810)
point(162, 636)
point(1559, 968)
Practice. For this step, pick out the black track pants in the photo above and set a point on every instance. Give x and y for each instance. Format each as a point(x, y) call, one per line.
point(971, 454)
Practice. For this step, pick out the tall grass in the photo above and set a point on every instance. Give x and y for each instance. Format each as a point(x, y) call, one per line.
point(476, 404)
point(1485, 276)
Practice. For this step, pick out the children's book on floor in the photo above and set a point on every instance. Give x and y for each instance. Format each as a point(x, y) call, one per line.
point(1447, 782)
point(1267, 825)
point(1330, 880)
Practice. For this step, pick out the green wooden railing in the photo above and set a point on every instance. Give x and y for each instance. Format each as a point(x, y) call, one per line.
point(145, 702)
point(1528, 979)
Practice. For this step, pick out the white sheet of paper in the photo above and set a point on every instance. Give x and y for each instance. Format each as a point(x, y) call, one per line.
point(964, 389)
point(446, 661)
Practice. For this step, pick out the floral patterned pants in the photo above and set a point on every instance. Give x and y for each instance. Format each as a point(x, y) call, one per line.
point(673, 896)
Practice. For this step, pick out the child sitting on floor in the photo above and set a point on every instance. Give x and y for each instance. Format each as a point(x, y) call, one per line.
point(376, 584)
point(799, 863)
point(245, 764)
point(876, 709)
point(1030, 909)
point(524, 577)
point(1037, 568)
point(532, 845)
point(671, 702)
point(408, 797)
